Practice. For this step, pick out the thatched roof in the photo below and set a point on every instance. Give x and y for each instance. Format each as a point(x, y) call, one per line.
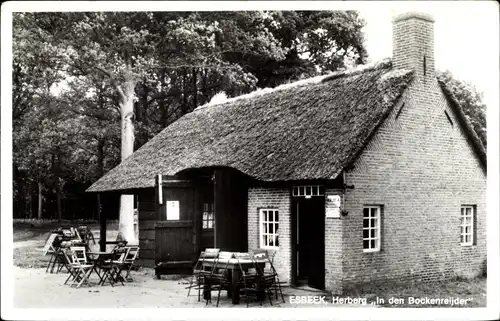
point(311, 130)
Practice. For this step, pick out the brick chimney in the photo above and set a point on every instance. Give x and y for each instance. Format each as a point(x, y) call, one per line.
point(413, 44)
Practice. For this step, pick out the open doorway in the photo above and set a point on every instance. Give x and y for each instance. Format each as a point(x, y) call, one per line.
point(308, 252)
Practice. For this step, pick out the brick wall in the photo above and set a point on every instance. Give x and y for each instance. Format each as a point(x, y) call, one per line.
point(272, 198)
point(333, 248)
point(421, 169)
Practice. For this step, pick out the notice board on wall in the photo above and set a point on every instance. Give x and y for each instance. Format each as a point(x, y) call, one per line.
point(172, 210)
point(332, 208)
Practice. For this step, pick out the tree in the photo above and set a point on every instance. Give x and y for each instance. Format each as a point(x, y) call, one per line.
point(470, 100)
point(34, 72)
point(149, 69)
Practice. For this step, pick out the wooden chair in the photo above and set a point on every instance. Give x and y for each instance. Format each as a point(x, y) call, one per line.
point(81, 267)
point(199, 272)
point(218, 279)
point(72, 270)
point(129, 261)
point(249, 282)
point(269, 274)
point(108, 266)
point(118, 264)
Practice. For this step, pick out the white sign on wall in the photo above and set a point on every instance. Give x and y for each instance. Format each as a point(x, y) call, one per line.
point(333, 206)
point(172, 210)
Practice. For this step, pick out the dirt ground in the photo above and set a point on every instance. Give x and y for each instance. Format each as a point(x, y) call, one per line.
point(34, 288)
point(145, 291)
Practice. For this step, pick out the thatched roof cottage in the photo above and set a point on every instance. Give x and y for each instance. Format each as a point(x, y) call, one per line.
point(363, 175)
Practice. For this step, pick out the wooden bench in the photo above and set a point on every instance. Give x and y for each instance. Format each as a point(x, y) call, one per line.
point(173, 267)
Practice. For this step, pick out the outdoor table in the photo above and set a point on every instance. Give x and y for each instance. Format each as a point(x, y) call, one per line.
point(234, 272)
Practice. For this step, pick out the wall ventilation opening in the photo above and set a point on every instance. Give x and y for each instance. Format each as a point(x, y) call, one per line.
point(449, 118)
point(400, 109)
point(425, 65)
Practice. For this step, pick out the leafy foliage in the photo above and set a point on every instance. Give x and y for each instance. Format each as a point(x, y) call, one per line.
point(83, 81)
point(470, 100)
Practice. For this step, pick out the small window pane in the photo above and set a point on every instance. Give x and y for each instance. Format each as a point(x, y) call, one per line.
point(301, 190)
point(366, 233)
point(366, 212)
point(315, 190)
point(276, 228)
point(372, 244)
point(372, 222)
point(366, 244)
point(365, 222)
point(372, 233)
point(271, 228)
point(321, 190)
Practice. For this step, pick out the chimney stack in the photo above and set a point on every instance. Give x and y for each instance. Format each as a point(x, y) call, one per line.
point(413, 44)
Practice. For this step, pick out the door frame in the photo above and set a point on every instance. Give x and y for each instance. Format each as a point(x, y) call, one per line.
point(295, 234)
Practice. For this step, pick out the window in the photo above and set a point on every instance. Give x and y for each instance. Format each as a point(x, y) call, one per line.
point(269, 228)
point(308, 191)
point(467, 225)
point(208, 216)
point(371, 228)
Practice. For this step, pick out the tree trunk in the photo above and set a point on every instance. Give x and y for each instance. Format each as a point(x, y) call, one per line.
point(184, 93)
point(58, 199)
point(28, 202)
point(195, 89)
point(40, 200)
point(126, 224)
point(100, 171)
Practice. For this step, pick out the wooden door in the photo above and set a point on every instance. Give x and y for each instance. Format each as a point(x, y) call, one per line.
point(175, 232)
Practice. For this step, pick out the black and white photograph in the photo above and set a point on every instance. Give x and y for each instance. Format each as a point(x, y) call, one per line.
point(298, 160)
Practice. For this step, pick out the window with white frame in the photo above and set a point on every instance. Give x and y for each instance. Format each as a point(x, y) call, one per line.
point(269, 220)
point(467, 225)
point(371, 228)
point(308, 191)
point(208, 216)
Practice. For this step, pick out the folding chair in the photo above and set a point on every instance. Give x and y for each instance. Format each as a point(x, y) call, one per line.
point(218, 278)
point(106, 269)
point(270, 274)
point(118, 264)
point(129, 261)
point(248, 281)
point(72, 271)
point(51, 248)
point(199, 272)
point(81, 267)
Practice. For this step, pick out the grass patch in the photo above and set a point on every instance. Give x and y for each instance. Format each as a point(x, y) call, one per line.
point(472, 290)
point(30, 257)
point(53, 224)
point(29, 241)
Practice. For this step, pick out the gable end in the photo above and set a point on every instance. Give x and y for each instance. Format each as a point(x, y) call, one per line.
point(465, 124)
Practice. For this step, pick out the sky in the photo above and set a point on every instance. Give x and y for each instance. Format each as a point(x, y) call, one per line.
point(466, 36)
